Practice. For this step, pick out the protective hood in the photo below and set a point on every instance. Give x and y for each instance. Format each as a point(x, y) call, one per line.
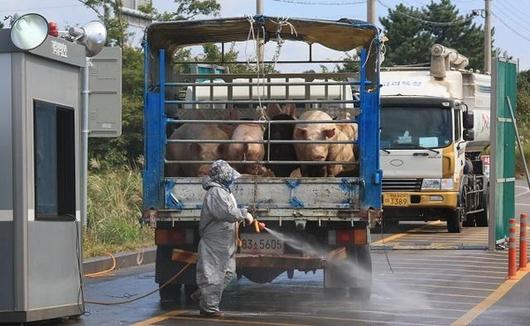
point(221, 174)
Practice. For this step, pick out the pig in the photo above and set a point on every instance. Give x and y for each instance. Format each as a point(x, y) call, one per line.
point(322, 152)
point(194, 151)
point(247, 151)
point(284, 131)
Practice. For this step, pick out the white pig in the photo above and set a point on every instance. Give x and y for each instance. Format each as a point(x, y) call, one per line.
point(325, 151)
point(194, 151)
point(247, 151)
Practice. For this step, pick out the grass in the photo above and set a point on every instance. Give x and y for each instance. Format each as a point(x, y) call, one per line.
point(114, 209)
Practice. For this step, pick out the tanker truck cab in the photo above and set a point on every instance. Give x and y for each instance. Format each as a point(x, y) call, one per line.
point(434, 127)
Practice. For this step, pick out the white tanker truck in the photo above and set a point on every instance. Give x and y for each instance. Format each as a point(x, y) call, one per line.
point(435, 123)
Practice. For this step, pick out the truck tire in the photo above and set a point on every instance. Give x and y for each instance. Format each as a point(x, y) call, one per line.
point(454, 221)
point(482, 217)
point(170, 294)
point(352, 275)
point(261, 275)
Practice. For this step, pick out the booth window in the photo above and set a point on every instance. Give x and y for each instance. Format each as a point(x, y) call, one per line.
point(54, 140)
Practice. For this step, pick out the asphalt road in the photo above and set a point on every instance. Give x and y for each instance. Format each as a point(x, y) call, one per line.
point(414, 286)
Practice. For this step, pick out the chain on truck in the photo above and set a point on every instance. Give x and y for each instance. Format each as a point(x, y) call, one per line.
point(435, 124)
point(330, 211)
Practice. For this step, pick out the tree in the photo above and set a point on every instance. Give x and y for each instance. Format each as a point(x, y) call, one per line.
point(523, 99)
point(128, 148)
point(411, 33)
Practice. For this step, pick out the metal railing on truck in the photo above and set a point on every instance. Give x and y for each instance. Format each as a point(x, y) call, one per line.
point(357, 192)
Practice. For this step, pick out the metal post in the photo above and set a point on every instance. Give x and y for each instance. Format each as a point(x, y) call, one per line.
point(371, 11)
point(523, 258)
point(84, 142)
point(493, 161)
point(487, 36)
point(261, 45)
point(518, 138)
point(259, 7)
point(512, 254)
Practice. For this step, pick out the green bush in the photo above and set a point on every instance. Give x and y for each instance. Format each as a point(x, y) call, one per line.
point(114, 210)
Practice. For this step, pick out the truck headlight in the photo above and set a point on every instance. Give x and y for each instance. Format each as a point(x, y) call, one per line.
point(431, 184)
point(437, 184)
point(447, 184)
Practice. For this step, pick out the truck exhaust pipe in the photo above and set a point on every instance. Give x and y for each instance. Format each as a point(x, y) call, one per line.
point(444, 58)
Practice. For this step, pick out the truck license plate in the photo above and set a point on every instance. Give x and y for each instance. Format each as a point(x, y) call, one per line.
point(396, 199)
point(260, 243)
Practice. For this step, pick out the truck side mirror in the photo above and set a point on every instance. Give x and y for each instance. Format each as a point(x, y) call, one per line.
point(468, 134)
point(469, 119)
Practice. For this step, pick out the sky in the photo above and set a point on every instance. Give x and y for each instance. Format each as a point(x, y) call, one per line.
point(511, 23)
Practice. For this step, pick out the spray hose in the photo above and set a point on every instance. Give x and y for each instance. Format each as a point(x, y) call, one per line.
point(173, 278)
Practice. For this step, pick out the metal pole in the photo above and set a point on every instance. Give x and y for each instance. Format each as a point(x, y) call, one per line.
point(84, 141)
point(492, 241)
point(261, 45)
point(370, 11)
point(487, 36)
point(521, 149)
point(259, 7)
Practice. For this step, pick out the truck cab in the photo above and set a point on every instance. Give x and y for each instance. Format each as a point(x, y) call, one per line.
point(434, 127)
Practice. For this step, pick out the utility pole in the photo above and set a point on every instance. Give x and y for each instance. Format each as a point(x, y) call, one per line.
point(370, 11)
point(259, 7)
point(261, 45)
point(487, 36)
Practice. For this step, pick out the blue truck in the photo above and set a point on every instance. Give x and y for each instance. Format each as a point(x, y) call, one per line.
point(331, 214)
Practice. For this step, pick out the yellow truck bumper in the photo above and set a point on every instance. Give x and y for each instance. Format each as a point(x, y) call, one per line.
point(438, 199)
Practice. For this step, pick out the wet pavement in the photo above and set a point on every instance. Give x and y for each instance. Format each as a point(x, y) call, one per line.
point(413, 286)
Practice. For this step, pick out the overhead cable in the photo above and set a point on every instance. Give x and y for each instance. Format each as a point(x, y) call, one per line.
point(322, 3)
point(511, 28)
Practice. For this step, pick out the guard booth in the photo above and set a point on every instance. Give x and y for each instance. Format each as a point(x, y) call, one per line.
point(40, 168)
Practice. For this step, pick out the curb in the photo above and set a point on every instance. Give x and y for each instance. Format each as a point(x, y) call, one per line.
point(139, 257)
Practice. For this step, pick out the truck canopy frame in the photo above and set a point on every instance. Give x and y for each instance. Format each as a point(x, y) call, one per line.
point(354, 197)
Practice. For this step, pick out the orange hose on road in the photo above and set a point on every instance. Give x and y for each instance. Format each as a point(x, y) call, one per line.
point(102, 273)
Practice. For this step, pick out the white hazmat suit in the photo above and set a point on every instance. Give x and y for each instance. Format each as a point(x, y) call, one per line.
point(217, 228)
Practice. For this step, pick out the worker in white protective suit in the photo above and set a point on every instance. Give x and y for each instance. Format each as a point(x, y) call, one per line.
point(220, 214)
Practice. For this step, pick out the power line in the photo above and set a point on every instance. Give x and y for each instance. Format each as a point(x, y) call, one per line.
point(439, 24)
point(41, 8)
point(511, 28)
point(508, 11)
point(515, 19)
point(322, 3)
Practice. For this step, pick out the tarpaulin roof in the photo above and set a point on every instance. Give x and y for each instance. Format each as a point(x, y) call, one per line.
point(342, 35)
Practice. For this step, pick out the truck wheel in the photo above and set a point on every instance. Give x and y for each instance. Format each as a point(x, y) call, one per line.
point(454, 221)
point(469, 222)
point(170, 294)
point(353, 274)
point(482, 217)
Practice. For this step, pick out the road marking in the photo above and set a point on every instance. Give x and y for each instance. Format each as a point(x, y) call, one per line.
point(494, 297)
point(442, 280)
point(452, 264)
point(180, 316)
point(448, 294)
point(450, 274)
point(400, 235)
point(160, 318)
point(445, 287)
point(368, 321)
point(450, 269)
